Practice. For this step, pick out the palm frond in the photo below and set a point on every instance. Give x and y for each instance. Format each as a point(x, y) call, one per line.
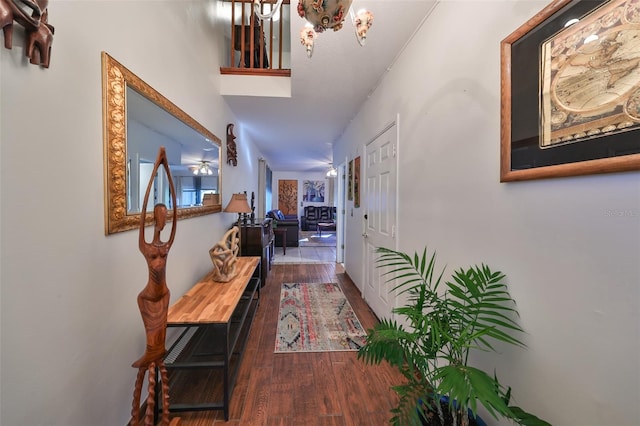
point(474, 311)
point(468, 386)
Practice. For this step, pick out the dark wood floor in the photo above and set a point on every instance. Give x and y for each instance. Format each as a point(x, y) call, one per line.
point(326, 388)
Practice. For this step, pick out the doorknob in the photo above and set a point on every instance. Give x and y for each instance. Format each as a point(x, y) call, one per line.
point(364, 234)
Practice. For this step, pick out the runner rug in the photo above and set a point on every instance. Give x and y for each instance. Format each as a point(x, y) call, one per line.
point(317, 317)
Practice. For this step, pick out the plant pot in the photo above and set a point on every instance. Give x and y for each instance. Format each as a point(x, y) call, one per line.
point(434, 419)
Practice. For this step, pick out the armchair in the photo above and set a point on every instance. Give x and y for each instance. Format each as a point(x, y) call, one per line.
point(314, 214)
point(290, 223)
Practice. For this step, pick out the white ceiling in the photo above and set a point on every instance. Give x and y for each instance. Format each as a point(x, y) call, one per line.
point(327, 90)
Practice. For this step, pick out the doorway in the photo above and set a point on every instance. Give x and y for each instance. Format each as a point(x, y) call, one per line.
point(380, 186)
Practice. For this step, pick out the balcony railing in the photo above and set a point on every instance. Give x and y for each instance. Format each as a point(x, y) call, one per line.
point(256, 46)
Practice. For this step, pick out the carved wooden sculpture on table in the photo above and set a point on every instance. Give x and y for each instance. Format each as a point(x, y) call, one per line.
point(37, 28)
point(153, 302)
point(232, 151)
point(253, 208)
point(223, 255)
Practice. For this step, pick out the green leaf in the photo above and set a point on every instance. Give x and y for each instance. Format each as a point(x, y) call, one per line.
point(442, 326)
point(526, 419)
point(467, 385)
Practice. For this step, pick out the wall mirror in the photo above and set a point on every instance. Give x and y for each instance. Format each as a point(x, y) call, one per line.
point(137, 121)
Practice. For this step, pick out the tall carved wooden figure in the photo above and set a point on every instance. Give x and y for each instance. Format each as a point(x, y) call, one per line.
point(153, 302)
point(232, 150)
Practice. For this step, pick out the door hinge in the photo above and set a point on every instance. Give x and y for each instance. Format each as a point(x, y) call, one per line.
point(394, 150)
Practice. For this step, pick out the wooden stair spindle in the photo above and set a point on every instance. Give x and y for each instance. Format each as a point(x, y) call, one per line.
point(254, 40)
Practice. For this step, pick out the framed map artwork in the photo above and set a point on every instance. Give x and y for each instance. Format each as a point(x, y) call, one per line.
point(570, 87)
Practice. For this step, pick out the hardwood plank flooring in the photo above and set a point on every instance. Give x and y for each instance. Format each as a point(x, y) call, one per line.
point(291, 389)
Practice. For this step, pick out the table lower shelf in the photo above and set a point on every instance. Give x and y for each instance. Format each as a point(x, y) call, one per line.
point(200, 389)
point(204, 361)
point(203, 345)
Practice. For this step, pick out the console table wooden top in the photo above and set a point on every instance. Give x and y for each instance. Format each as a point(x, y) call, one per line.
point(210, 302)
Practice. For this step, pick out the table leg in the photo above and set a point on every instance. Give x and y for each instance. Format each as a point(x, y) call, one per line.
point(283, 232)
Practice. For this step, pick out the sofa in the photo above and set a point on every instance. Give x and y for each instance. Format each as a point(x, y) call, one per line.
point(290, 223)
point(314, 214)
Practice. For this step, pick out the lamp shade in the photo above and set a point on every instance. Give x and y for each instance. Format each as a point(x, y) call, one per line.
point(238, 204)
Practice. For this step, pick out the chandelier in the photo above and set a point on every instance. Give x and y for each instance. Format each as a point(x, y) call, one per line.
point(203, 169)
point(322, 15)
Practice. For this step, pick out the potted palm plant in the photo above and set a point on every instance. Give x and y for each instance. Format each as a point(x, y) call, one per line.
point(430, 348)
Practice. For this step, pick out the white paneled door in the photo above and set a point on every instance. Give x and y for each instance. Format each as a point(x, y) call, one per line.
point(380, 218)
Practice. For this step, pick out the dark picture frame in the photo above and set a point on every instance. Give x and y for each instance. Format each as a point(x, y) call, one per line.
point(313, 191)
point(350, 181)
point(524, 74)
point(356, 182)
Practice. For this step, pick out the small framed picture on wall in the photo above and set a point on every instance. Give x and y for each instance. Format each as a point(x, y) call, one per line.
point(350, 182)
point(356, 182)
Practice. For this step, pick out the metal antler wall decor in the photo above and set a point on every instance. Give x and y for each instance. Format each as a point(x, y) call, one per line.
point(38, 31)
point(153, 302)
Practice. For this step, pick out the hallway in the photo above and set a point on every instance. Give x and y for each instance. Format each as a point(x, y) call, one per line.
point(313, 248)
point(319, 388)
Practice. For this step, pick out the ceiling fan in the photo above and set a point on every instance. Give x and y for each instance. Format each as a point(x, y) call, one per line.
point(202, 169)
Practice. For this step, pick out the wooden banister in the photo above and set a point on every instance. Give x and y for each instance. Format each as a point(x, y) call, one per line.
point(248, 38)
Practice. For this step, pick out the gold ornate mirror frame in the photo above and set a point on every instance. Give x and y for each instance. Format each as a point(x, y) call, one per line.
point(115, 79)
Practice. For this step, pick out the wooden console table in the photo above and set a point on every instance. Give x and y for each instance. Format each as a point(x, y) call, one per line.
point(216, 318)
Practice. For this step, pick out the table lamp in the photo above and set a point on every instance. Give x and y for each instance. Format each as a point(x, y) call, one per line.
point(238, 204)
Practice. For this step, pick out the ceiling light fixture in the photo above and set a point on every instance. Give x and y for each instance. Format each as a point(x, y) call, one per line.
point(590, 38)
point(322, 15)
point(332, 172)
point(571, 22)
point(203, 169)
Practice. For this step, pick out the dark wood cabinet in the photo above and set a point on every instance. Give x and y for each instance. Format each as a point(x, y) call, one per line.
point(257, 240)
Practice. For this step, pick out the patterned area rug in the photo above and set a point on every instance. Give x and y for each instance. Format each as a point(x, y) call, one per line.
point(317, 317)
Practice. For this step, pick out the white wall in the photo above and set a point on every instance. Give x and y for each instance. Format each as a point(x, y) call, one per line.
point(70, 323)
point(570, 247)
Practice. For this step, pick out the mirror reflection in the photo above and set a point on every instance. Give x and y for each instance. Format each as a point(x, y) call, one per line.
point(137, 121)
point(194, 159)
